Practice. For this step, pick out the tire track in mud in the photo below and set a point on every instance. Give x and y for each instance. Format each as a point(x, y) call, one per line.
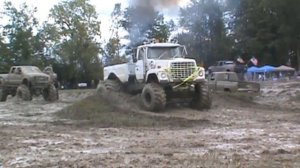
point(237, 128)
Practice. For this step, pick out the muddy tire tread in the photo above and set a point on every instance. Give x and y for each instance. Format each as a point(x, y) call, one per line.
point(158, 97)
point(202, 99)
point(23, 92)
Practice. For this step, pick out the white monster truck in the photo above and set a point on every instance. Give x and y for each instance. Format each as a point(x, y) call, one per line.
point(160, 72)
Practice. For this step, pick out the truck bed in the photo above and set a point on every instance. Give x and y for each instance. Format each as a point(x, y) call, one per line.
point(122, 71)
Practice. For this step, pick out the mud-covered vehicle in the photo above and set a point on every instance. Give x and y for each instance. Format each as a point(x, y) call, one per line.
point(53, 76)
point(229, 82)
point(227, 66)
point(25, 82)
point(160, 72)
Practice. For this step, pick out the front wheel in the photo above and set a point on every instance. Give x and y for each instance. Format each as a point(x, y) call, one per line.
point(153, 97)
point(202, 97)
point(50, 93)
point(23, 92)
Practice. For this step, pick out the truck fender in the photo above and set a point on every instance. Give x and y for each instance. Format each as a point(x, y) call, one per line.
point(152, 76)
point(26, 82)
point(113, 76)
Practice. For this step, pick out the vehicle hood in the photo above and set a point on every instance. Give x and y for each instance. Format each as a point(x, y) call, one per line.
point(167, 63)
point(37, 74)
point(3, 75)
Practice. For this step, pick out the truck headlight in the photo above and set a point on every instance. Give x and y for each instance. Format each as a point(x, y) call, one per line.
point(201, 73)
point(163, 75)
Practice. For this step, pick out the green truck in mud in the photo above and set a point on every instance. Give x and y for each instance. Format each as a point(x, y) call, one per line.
point(25, 82)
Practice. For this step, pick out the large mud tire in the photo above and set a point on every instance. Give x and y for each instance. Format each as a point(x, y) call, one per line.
point(50, 93)
point(153, 97)
point(3, 94)
point(23, 92)
point(109, 85)
point(202, 97)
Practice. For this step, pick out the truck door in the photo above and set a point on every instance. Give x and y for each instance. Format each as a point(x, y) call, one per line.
point(19, 76)
point(11, 76)
point(220, 66)
point(140, 66)
point(15, 76)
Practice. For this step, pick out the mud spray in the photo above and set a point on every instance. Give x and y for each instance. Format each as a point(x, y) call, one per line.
point(121, 101)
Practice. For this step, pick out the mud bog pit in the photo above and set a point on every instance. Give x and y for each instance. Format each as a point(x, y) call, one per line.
point(261, 131)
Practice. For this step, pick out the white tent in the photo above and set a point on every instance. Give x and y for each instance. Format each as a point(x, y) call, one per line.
point(284, 68)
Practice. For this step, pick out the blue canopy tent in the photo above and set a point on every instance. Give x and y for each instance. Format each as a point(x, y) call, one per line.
point(260, 72)
point(252, 69)
point(266, 68)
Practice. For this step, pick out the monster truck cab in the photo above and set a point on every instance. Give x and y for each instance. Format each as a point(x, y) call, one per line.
point(163, 62)
point(227, 66)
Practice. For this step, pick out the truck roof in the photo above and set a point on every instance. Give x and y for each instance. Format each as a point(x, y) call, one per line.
point(227, 61)
point(24, 66)
point(160, 45)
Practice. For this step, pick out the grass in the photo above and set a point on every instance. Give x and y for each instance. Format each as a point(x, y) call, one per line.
point(102, 112)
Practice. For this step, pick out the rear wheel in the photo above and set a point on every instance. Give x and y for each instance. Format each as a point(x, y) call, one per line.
point(109, 85)
point(202, 97)
point(50, 93)
point(153, 97)
point(23, 92)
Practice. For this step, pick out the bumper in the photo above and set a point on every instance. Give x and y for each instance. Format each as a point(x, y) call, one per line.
point(40, 85)
point(180, 84)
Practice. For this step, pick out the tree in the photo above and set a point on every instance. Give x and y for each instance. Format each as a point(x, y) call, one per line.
point(268, 29)
point(76, 32)
point(144, 23)
point(112, 53)
point(22, 46)
point(5, 60)
point(112, 48)
point(205, 33)
point(160, 30)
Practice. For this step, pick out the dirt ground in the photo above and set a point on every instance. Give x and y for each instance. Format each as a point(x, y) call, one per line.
point(239, 131)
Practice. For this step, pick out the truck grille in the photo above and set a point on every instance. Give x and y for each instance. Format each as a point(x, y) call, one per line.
point(42, 78)
point(182, 70)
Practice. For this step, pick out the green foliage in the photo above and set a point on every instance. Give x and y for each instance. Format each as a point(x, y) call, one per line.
point(112, 52)
point(205, 34)
point(19, 44)
point(269, 30)
point(4, 57)
point(75, 33)
point(112, 48)
point(160, 30)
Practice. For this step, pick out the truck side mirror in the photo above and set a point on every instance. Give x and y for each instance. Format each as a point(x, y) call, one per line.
point(212, 77)
point(134, 59)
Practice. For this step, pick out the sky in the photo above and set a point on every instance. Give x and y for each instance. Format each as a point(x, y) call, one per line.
point(103, 8)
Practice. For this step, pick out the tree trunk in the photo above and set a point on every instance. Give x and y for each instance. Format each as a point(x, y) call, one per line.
point(298, 55)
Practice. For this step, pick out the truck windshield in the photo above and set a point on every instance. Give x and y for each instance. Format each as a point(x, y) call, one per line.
point(30, 69)
point(229, 62)
point(166, 52)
